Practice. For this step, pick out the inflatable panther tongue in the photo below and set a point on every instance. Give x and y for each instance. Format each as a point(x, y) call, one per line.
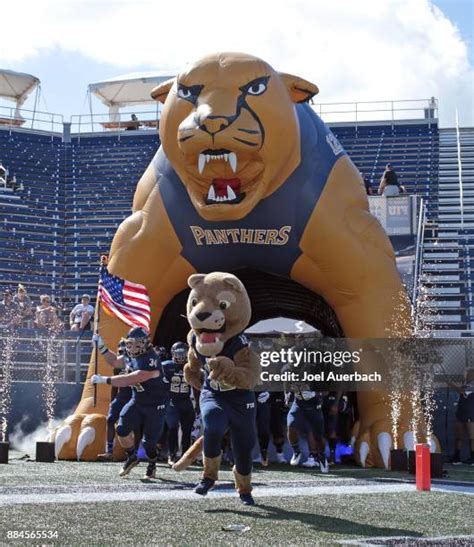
point(248, 176)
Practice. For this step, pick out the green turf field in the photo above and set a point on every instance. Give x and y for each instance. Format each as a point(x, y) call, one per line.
point(63, 497)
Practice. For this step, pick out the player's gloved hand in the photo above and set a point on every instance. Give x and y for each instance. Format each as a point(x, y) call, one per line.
point(99, 379)
point(263, 397)
point(97, 339)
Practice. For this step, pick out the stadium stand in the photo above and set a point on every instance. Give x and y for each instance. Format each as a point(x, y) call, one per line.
point(447, 249)
point(52, 234)
point(98, 170)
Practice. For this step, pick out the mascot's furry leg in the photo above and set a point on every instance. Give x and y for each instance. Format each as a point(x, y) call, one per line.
point(243, 483)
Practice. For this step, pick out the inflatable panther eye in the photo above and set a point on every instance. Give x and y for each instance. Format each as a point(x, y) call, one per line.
point(256, 87)
point(224, 304)
point(190, 93)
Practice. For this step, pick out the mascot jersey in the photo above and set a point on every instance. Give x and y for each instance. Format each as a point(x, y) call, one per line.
point(269, 235)
point(154, 391)
point(179, 389)
point(231, 347)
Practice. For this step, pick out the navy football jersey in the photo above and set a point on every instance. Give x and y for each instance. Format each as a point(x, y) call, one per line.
point(174, 373)
point(154, 391)
point(231, 347)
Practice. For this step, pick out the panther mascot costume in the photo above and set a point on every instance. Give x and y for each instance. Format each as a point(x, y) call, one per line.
point(248, 176)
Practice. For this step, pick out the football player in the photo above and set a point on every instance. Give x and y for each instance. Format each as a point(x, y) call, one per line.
point(306, 418)
point(278, 412)
point(181, 409)
point(146, 410)
point(121, 396)
point(263, 425)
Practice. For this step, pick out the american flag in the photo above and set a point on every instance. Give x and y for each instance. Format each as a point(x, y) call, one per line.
point(127, 301)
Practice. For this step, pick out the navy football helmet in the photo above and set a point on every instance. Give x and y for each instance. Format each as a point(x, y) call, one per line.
point(137, 341)
point(179, 352)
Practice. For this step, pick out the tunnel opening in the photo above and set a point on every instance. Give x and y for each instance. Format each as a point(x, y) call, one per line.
point(271, 296)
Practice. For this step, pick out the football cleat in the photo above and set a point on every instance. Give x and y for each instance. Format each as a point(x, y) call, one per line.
point(310, 462)
point(264, 462)
point(204, 486)
point(106, 457)
point(247, 499)
point(150, 472)
point(132, 461)
point(281, 457)
point(332, 457)
point(296, 459)
point(323, 464)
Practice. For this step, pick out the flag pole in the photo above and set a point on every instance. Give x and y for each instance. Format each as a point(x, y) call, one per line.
point(103, 262)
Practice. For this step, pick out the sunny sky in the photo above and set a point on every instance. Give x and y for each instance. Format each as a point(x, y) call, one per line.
point(354, 51)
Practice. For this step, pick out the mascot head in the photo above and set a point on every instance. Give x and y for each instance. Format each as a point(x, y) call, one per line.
point(230, 130)
point(218, 308)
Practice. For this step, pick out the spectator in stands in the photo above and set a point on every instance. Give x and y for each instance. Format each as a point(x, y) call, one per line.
point(25, 308)
point(133, 124)
point(389, 185)
point(368, 186)
point(81, 315)
point(13, 184)
point(9, 317)
point(46, 316)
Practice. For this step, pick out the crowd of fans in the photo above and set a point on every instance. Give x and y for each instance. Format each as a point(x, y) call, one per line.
point(17, 310)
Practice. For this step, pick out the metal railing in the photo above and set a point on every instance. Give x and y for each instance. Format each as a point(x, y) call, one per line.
point(148, 119)
point(119, 122)
point(68, 355)
point(420, 235)
point(369, 111)
point(48, 122)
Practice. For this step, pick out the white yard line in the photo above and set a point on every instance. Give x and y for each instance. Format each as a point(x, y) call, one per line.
point(170, 495)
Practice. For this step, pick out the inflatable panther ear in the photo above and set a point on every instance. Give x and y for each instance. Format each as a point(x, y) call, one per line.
point(160, 92)
point(301, 91)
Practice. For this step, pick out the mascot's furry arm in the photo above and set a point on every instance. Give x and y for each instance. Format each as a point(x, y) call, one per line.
point(243, 372)
point(193, 373)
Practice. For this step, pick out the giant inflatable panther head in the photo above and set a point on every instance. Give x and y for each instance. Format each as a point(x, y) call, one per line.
point(230, 131)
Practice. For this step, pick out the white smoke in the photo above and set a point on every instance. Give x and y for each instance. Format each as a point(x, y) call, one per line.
point(26, 442)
